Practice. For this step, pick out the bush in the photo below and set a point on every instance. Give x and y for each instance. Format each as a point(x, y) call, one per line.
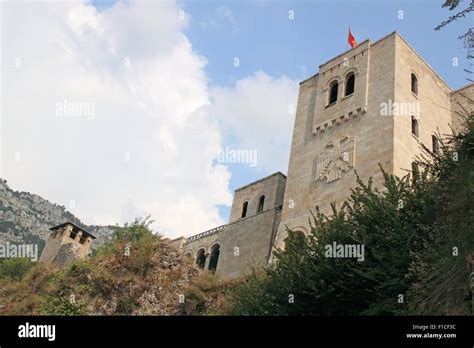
point(15, 268)
point(64, 305)
point(135, 231)
point(207, 295)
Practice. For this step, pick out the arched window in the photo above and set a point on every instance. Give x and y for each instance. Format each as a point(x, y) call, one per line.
point(215, 250)
point(434, 144)
point(201, 258)
point(414, 126)
point(350, 84)
point(244, 209)
point(333, 92)
point(414, 84)
point(261, 203)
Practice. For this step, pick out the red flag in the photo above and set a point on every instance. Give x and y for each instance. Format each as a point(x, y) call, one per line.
point(351, 40)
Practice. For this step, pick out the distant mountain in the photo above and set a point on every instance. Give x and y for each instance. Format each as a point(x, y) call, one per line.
point(26, 218)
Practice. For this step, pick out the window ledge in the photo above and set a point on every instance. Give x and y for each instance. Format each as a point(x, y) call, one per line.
point(415, 137)
point(348, 96)
point(415, 95)
point(329, 105)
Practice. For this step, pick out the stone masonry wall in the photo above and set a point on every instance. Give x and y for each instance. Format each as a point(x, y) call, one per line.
point(462, 103)
point(243, 244)
point(434, 106)
point(58, 243)
point(272, 186)
point(319, 129)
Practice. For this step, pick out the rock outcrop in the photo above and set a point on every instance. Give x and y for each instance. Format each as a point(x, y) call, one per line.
point(27, 217)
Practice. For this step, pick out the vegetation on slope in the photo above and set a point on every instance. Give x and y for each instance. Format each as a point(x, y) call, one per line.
point(136, 273)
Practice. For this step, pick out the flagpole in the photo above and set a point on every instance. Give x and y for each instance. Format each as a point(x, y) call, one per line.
point(347, 41)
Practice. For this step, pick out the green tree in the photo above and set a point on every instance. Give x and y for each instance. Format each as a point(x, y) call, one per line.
point(408, 229)
point(134, 231)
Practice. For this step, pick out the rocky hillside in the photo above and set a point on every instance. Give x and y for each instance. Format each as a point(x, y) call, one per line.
point(26, 218)
point(135, 273)
point(147, 276)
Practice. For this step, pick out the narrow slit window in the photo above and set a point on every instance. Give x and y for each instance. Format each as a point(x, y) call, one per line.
point(261, 203)
point(244, 209)
point(434, 144)
point(414, 84)
point(414, 126)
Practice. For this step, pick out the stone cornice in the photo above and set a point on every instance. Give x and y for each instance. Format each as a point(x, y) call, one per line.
point(324, 126)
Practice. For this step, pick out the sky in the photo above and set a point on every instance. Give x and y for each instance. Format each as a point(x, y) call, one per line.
point(122, 109)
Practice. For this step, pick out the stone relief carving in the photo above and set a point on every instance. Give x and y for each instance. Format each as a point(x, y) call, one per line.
point(335, 161)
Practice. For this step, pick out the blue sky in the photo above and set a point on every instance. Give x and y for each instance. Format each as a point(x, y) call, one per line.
point(263, 37)
point(261, 34)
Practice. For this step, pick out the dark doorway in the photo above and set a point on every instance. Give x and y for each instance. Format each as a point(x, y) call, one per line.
point(201, 258)
point(215, 250)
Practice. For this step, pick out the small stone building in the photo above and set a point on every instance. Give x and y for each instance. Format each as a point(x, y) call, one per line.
point(66, 243)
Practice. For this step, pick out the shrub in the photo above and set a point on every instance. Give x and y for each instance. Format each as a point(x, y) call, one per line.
point(15, 268)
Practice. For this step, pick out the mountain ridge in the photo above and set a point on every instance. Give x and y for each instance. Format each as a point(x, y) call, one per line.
point(26, 218)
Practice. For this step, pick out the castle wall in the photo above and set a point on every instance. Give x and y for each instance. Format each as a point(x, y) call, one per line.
point(462, 103)
point(244, 244)
point(52, 245)
point(66, 254)
point(434, 115)
point(321, 129)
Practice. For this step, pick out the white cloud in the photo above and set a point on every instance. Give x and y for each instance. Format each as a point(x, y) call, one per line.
point(151, 144)
point(148, 149)
point(258, 113)
point(222, 19)
point(225, 14)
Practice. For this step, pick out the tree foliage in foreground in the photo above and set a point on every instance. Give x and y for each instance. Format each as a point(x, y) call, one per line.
point(416, 233)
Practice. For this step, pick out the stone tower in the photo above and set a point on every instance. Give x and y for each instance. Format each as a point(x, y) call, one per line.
point(372, 105)
point(66, 243)
point(247, 240)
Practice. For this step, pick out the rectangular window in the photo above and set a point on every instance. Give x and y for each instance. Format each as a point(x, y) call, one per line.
point(83, 239)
